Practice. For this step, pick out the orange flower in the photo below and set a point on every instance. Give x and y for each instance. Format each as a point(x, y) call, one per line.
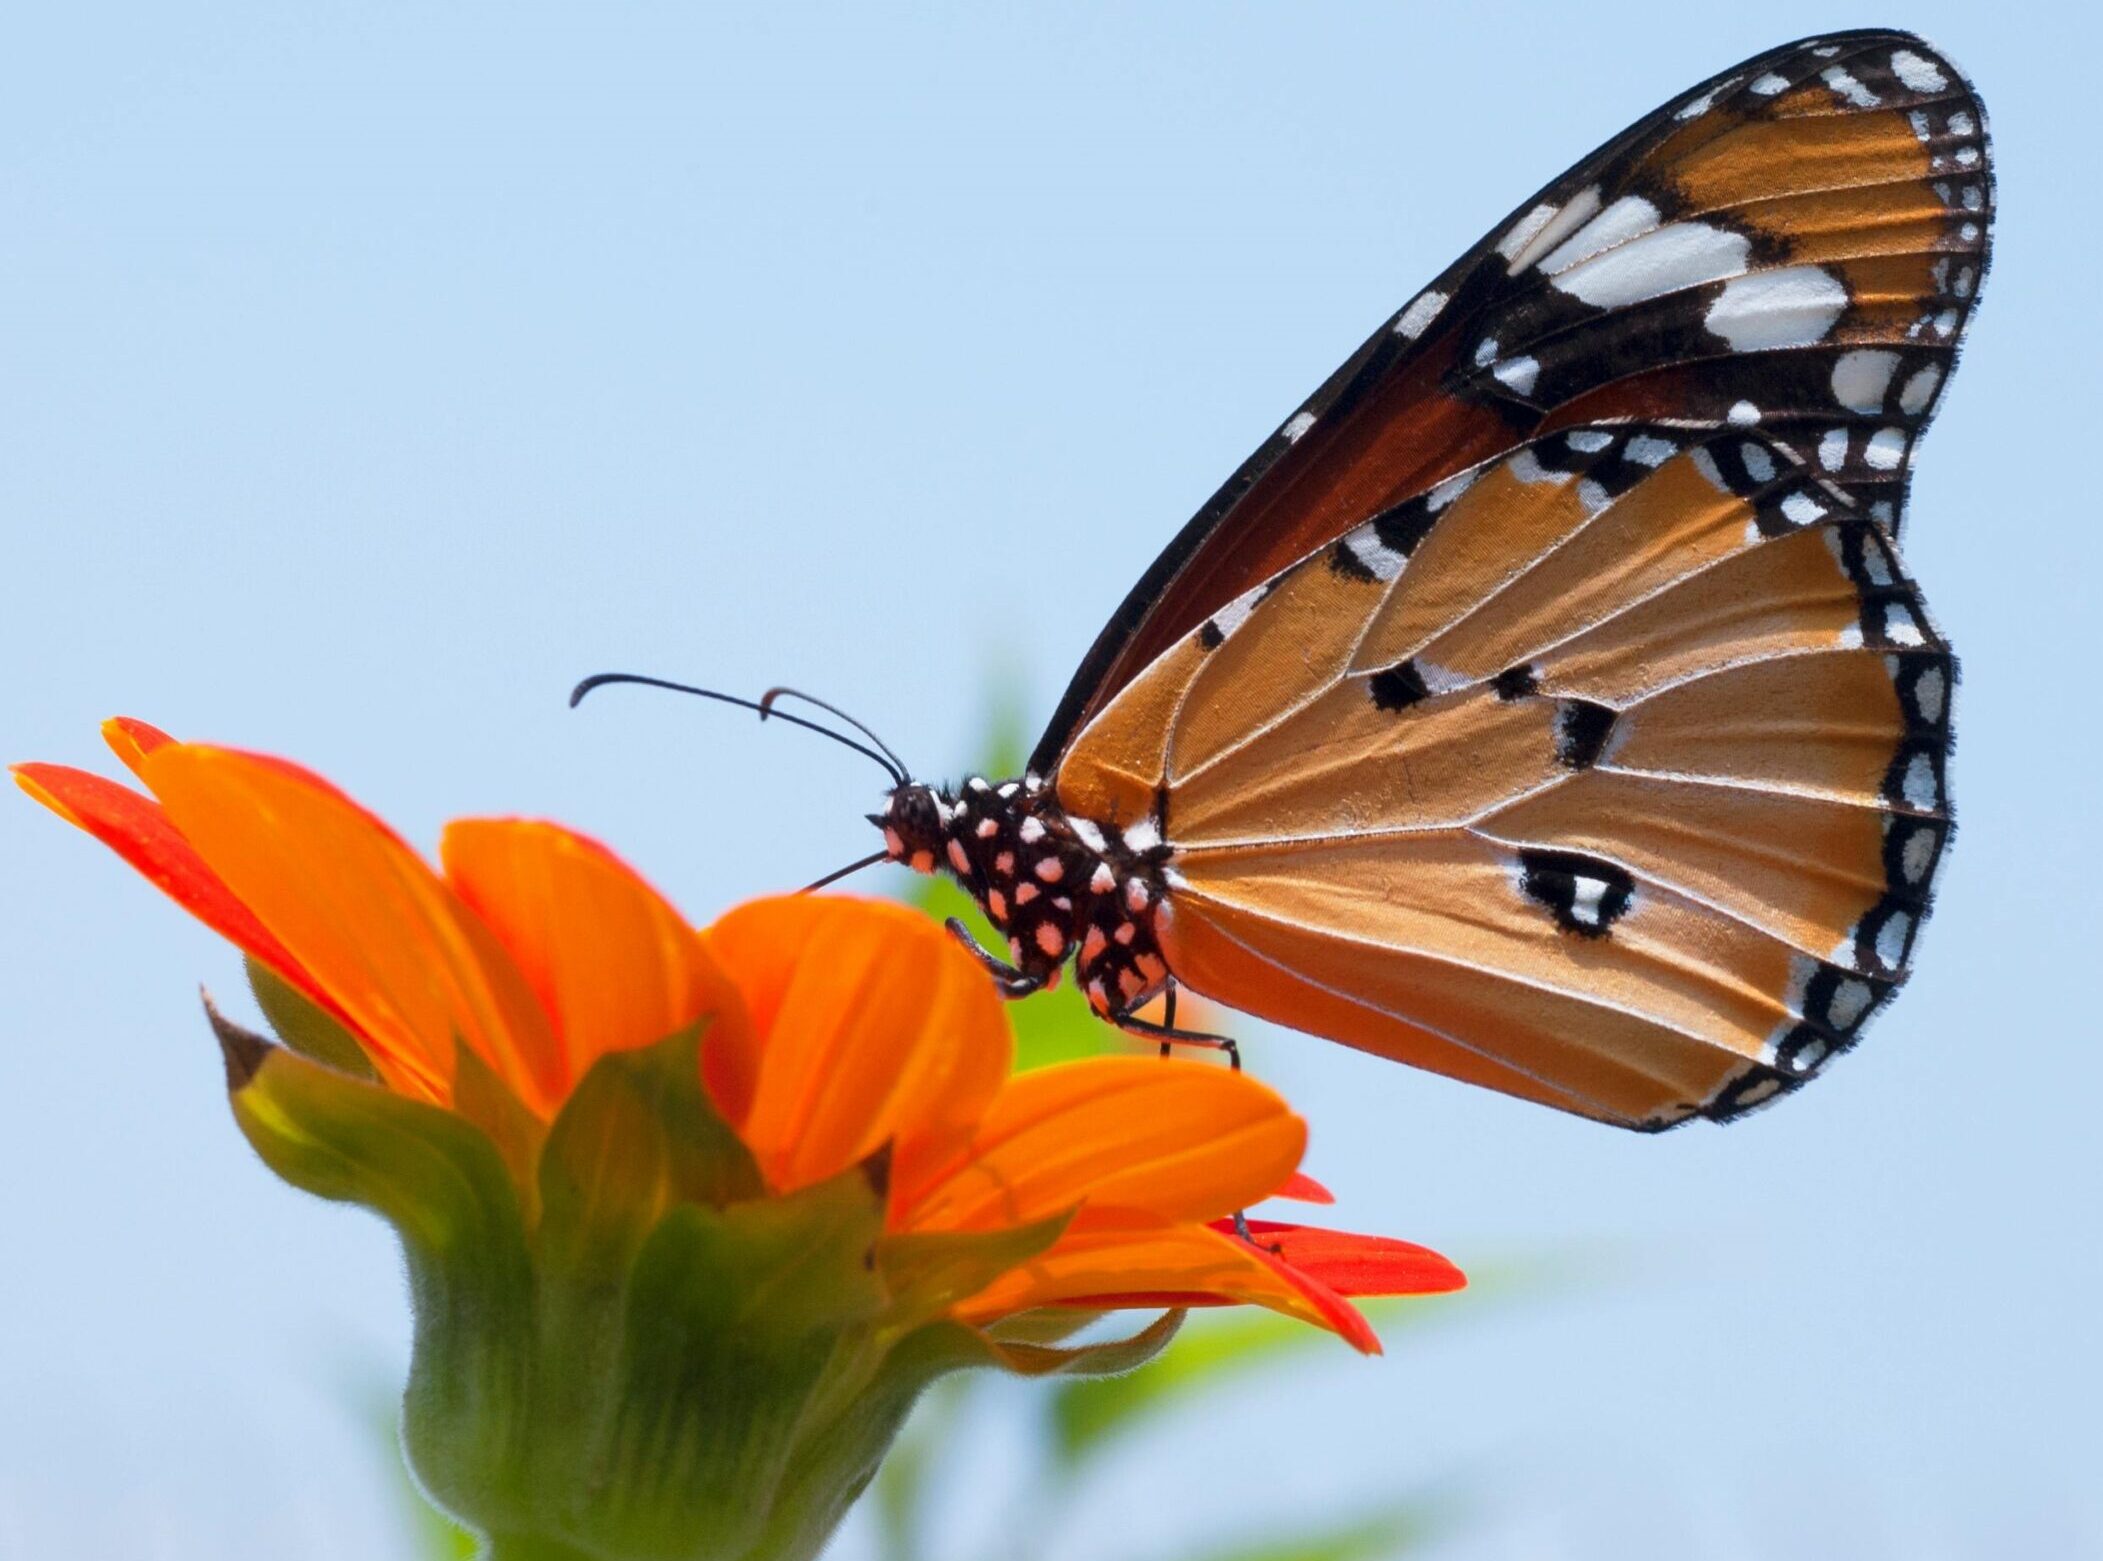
point(838, 1030)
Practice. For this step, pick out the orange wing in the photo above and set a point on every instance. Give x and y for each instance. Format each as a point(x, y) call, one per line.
point(1608, 774)
point(1795, 244)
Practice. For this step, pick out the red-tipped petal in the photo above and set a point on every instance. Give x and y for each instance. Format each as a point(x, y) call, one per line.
point(1356, 1265)
point(378, 929)
point(139, 831)
point(131, 739)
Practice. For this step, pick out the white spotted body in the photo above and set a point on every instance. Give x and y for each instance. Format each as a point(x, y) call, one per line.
point(1058, 888)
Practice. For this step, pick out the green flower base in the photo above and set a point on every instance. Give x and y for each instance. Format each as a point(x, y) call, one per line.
point(627, 1348)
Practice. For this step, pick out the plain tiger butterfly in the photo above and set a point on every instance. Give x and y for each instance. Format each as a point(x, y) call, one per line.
point(1545, 703)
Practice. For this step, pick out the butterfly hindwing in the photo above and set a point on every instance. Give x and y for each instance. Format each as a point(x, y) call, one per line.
point(1794, 246)
point(1609, 773)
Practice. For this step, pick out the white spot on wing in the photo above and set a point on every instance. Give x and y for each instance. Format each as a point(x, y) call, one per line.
point(1694, 108)
point(1771, 85)
point(1801, 509)
point(1381, 562)
point(1649, 450)
point(1861, 378)
point(1918, 787)
point(1527, 468)
point(1929, 690)
point(1086, 831)
point(1832, 449)
point(1143, 836)
point(1846, 87)
point(1416, 319)
point(1579, 207)
point(1792, 307)
point(1449, 490)
point(1920, 390)
point(1743, 414)
point(1918, 74)
point(1236, 613)
point(1296, 426)
point(1891, 939)
point(1518, 374)
point(1851, 1000)
point(1664, 260)
point(1917, 855)
point(1886, 448)
point(1629, 217)
point(1522, 232)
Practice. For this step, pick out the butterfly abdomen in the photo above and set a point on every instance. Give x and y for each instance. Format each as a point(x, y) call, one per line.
point(1057, 887)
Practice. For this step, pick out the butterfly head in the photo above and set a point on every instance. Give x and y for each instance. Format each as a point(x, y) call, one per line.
point(916, 824)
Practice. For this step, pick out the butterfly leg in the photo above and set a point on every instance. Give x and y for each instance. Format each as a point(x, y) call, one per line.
point(1169, 1035)
point(1012, 982)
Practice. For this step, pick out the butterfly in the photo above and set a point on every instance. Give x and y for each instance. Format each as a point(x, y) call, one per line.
point(1546, 704)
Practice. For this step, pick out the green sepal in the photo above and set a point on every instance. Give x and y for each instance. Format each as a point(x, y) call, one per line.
point(486, 1101)
point(1112, 1357)
point(1044, 1325)
point(305, 1025)
point(637, 1135)
point(434, 1177)
point(927, 1272)
point(443, 1187)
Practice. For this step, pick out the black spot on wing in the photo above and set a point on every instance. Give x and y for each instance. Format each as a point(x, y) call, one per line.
point(1516, 682)
point(1399, 687)
point(1586, 894)
point(1581, 730)
point(1403, 528)
point(1211, 636)
point(1759, 1085)
point(1344, 560)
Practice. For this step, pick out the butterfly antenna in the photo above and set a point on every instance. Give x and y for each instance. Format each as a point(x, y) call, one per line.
point(852, 867)
point(766, 708)
point(887, 759)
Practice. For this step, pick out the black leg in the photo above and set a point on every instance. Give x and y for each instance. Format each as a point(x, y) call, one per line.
point(1168, 1015)
point(1011, 981)
point(1168, 1035)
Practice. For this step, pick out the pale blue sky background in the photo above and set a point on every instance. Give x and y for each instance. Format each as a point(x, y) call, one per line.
point(371, 373)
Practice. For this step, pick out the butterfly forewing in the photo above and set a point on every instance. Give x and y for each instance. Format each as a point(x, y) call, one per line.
point(1609, 776)
point(1795, 245)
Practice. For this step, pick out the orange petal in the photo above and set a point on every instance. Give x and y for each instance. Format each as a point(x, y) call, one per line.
point(376, 928)
point(131, 740)
point(613, 964)
point(1132, 1261)
point(870, 1027)
point(1305, 1189)
point(138, 830)
point(1182, 1140)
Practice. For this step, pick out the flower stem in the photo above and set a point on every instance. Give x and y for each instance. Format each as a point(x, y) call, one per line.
point(530, 1547)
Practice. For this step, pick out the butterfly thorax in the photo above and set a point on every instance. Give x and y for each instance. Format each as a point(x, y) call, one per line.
point(1057, 887)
